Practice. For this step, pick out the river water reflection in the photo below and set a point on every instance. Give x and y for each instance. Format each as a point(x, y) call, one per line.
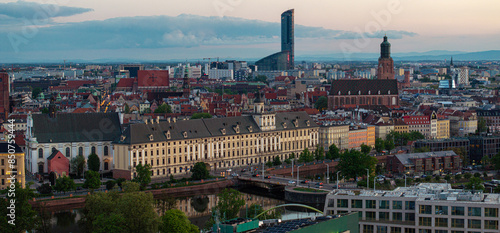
point(197, 209)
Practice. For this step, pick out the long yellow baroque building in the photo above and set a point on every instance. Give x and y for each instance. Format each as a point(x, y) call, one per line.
point(173, 147)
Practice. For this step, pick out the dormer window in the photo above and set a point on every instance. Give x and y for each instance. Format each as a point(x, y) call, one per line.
point(349, 92)
point(369, 92)
point(359, 92)
point(284, 125)
point(185, 134)
point(236, 128)
point(296, 122)
point(250, 129)
point(150, 137)
point(308, 123)
point(167, 134)
point(339, 92)
point(223, 131)
point(379, 92)
point(122, 138)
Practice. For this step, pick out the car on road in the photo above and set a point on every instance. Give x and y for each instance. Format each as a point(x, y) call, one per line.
point(319, 183)
point(234, 174)
point(304, 181)
point(318, 186)
point(267, 177)
point(243, 170)
point(255, 175)
point(291, 182)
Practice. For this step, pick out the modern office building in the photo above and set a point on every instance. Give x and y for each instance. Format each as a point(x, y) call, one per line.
point(6, 169)
point(283, 60)
point(483, 146)
point(132, 69)
point(444, 144)
point(425, 208)
point(492, 118)
point(385, 63)
point(463, 76)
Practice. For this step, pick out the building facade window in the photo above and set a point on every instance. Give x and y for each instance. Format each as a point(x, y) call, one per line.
point(474, 211)
point(491, 212)
point(457, 210)
point(106, 150)
point(491, 224)
point(68, 152)
point(40, 153)
point(474, 224)
point(457, 223)
point(425, 221)
point(80, 150)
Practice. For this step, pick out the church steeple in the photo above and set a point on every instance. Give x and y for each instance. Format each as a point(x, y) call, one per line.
point(385, 48)
point(385, 63)
point(451, 62)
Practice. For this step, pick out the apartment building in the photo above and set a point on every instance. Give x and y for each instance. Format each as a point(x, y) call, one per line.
point(334, 134)
point(424, 163)
point(425, 208)
point(443, 129)
point(6, 169)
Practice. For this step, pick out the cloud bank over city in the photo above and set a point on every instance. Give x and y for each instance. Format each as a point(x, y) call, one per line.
point(30, 29)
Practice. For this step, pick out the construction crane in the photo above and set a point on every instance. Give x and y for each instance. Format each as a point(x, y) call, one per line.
point(210, 64)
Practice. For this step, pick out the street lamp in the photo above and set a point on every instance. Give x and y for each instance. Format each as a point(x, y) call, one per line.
point(367, 178)
point(327, 174)
point(338, 180)
point(298, 175)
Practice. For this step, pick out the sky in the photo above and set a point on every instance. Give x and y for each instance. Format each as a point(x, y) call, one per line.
point(56, 30)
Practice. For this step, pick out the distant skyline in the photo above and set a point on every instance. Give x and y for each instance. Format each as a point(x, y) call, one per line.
point(193, 29)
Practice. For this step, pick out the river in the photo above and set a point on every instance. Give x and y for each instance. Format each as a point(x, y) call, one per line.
point(196, 208)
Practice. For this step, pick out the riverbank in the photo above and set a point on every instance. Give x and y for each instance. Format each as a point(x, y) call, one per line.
point(75, 202)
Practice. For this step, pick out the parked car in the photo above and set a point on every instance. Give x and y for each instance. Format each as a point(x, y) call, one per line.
point(235, 174)
point(267, 177)
point(243, 170)
point(255, 175)
point(304, 181)
point(291, 182)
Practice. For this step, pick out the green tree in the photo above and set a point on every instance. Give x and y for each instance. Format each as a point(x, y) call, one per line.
point(143, 175)
point(481, 125)
point(163, 108)
point(354, 163)
point(35, 92)
point(288, 161)
point(229, 204)
point(129, 186)
point(94, 163)
point(475, 183)
point(379, 145)
point(110, 184)
point(319, 153)
point(467, 176)
point(306, 156)
point(127, 109)
point(25, 217)
point(276, 161)
point(477, 174)
point(111, 212)
point(147, 110)
point(458, 177)
point(437, 178)
point(269, 164)
point(333, 152)
point(175, 221)
point(143, 218)
point(365, 149)
point(199, 171)
point(92, 180)
point(447, 178)
point(200, 115)
point(65, 184)
point(389, 145)
point(44, 189)
point(495, 161)
point(462, 152)
point(108, 223)
point(77, 165)
point(321, 104)
point(422, 149)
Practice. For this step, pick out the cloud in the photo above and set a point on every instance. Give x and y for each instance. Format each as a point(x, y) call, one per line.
point(32, 10)
point(393, 34)
point(154, 32)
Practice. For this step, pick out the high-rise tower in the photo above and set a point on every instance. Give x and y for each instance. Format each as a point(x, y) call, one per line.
point(4, 95)
point(287, 36)
point(385, 62)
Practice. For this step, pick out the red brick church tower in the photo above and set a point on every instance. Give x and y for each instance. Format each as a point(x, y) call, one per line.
point(385, 63)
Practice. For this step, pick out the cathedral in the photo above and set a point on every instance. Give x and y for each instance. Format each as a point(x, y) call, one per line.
point(353, 93)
